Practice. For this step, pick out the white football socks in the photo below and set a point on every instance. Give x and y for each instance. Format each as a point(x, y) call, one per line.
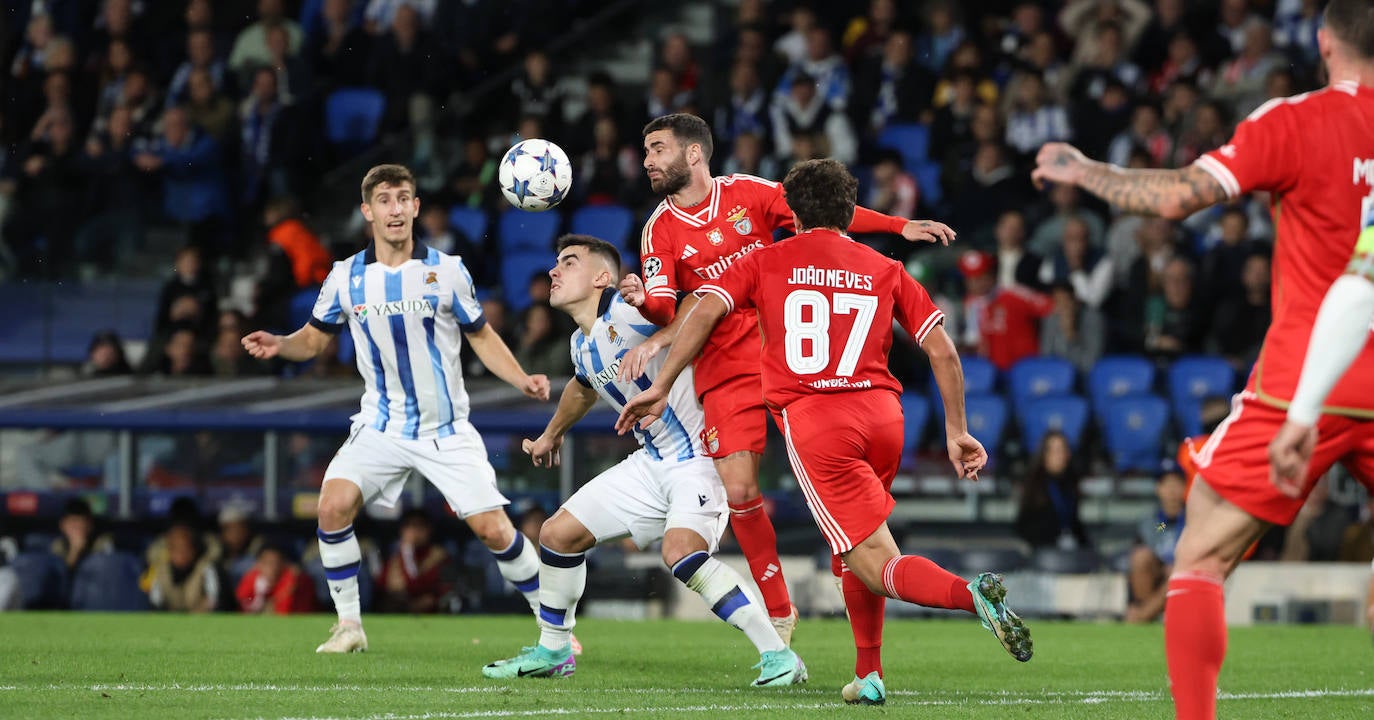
point(721, 588)
point(562, 579)
point(341, 557)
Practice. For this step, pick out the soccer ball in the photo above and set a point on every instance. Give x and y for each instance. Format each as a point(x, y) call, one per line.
point(535, 175)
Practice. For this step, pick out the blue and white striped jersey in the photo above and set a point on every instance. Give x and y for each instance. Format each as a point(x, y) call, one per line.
point(596, 360)
point(407, 324)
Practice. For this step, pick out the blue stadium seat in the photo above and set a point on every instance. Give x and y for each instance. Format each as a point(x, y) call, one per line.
point(1066, 413)
point(516, 269)
point(915, 412)
point(42, 579)
point(980, 378)
point(929, 190)
point(911, 140)
point(353, 116)
point(1040, 376)
point(1194, 379)
point(611, 223)
point(108, 582)
point(520, 230)
point(472, 222)
point(1116, 376)
point(1135, 432)
point(987, 420)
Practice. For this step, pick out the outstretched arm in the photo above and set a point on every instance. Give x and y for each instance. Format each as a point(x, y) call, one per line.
point(965, 452)
point(299, 346)
point(691, 337)
point(573, 405)
point(632, 364)
point(1173, 194)
point(494, 353)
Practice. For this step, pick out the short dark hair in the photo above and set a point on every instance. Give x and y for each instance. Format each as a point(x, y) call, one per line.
point(687, 128)
point(821, 193)
point(595, 246)
point(1353, 22)
point(390, 174)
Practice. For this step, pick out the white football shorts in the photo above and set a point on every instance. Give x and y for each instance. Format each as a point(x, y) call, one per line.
point(456, 465)
point(642, 499)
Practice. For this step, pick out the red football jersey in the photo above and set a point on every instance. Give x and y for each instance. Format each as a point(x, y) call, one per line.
point(682, 249)
point(825, 308)
point(1315, 154)
point(1008, 323)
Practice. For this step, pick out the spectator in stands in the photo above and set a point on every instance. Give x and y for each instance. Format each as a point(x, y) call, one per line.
point(1357, 540)
point(193, 179)
point(275, 585)
point(1154, 249)
point(609, 172)
point(536, 92)
point(1108, 62)
point(1002, 324)
point(1240, 81)
point(239, 544)
point(293, 74)
point(966, 58)
point(602, 102)
point(338, 52)
point(439, 235)
point(805, 111)
point(943, 33)
point(540, 345)
point(1239, 322)
point(745, 111)
point(189, 279)
point(250, 47)
point(473, 182)
point(379, 14)
point(1015, 264)
point(1167, 21)
point(893, 190)
point(1153, 556)
point(1145, 132)
point(114, 197)
point(987, 186)
point(267, 127)
point(1295, 30)
point(200, 57)
point(675, 54)
point(1083, 20)
point(792, 44)
point(1033, 119)
point(105, 356)
point(208, 109)
point(747, 156)
point(1073, 331)
point(952, 126)
point(1173, 325)
point(418, 574)
point(1098, 121)
point(1081, 266)
point(825, 68)
point(43, 225)
point(1065, 201)
point(1315, 535)
point(892, 87)
point(1207, 131)
point(403, 68)
point(299, 246)
point(1183, 61)
point(1047, 512)
point(664, 98)
point(77, 534)
point(186, 579)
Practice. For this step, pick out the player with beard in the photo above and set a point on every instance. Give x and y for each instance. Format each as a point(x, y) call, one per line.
point(703, 225)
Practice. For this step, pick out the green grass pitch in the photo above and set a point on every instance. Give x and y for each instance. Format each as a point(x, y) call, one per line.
point(165, 666)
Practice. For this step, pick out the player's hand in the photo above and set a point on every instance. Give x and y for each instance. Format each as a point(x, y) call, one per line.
point(1058, 163)
point(644, 409)
point(1289, 453)
point(632, 290)
point(262, 344)
point(633, 363)
point(928, 231)
point(536, 386)
point(544, 450)
point(967, 455)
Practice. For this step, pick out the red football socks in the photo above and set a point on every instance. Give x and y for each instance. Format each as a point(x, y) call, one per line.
point(866, 621)
point(917, 580)
point(1194, 643)
point(754, 532)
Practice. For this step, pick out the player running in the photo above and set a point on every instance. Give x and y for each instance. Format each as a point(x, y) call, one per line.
point(667, 489)
point(1315, 154)
point(703, 225)
point(408, 307)
point(825, 306)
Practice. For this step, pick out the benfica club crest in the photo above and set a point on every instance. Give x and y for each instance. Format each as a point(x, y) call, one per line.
point(743, 225)
point(710, 440)
point(715, 236)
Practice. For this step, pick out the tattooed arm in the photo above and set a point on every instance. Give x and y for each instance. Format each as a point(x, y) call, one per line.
point(1174, 194)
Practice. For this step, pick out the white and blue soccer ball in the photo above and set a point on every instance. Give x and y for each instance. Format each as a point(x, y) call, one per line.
point(535, 175)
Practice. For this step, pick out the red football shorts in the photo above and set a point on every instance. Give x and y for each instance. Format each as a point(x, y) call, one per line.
point(845, 449)
point(1235, 459)
point(736, 418)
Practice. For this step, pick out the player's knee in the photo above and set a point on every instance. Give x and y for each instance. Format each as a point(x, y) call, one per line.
point(337, 507)
point(677, 546)
point(563, 534)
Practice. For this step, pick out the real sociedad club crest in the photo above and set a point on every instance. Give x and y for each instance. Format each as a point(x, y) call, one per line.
point(743, 225)
point(432, 280)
